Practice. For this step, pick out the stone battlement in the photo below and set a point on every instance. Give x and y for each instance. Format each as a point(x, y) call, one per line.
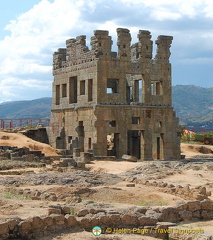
point(76, 51)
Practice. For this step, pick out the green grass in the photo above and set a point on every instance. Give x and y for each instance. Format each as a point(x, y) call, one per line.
point(145, 203)
point(12, 195)
point(8, 195)
point(192, 142)
point(72, 211)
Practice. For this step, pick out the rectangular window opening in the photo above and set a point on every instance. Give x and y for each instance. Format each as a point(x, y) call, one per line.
point(57, 94)
point(140, 85)
point(89, 143)
point(135, 120)
point(152, 89)
point(73, 90)
point(112, 123)
point(112, 85)
point(90, 90)
point(158, 88)
point(82, 87)
point(69, 139)
point(64, 90)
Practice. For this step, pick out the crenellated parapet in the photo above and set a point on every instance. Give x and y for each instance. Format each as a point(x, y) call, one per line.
point(59, 57)
point(124, 43)
point(76, 51)
point(76, 48)
point(145, 44)
point(163, 47)
point(101, 44)
point(142, 50)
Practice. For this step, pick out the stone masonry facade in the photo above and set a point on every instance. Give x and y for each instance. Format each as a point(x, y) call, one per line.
point(114, 103)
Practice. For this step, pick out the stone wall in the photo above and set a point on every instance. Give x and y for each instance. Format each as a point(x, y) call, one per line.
point(186, 192)
point(157, 218)
point(21, 154)
point(39, 134)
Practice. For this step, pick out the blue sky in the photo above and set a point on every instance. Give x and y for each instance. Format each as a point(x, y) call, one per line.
point(31, 30)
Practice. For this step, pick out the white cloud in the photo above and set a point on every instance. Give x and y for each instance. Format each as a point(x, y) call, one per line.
point(26, 54)
point(164, 14)
point(208, 9)
point(19, 89)
point(167, 9)
point(33, 34)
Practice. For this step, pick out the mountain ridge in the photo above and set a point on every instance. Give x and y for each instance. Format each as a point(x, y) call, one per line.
point(193, 106)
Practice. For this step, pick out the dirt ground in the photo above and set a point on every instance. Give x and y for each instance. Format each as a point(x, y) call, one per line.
point(19, 140)
point(117, 194)
point(191, 150)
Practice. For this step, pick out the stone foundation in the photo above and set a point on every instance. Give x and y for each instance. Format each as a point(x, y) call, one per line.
point(152, 220)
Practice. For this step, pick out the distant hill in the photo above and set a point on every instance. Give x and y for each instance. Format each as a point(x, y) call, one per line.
point(38, 108)
point(193, 106)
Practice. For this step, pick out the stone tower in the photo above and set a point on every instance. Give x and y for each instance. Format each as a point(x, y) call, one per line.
point(114, 103)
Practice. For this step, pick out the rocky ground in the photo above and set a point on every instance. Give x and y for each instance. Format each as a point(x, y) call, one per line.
point(31, 188)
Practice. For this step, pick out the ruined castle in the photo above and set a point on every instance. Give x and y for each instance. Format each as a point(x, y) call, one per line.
point(114, 103)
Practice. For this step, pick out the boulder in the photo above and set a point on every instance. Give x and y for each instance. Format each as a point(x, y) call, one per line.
point(129, 158)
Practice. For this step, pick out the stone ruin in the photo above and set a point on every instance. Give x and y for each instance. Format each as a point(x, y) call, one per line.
point(114, 103)
point(161, 223)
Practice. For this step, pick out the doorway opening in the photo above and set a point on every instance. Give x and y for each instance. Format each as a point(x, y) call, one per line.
point(113, 144)
point(133, 137)
point(81, 136)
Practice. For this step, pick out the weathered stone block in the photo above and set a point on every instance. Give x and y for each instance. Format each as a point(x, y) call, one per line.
point(196, 214)
point(147, 221)
point(82, 212)
point(48, 221)
point(181, 207)
point(169, 214)
point(12, 224)
point(36, 222)
point(185, 215)
point(25, 227)
point(193, 205)
point(115, 219)
point(104, 220)
point(85, 223)
point(95, 221)
point(52, 197)
point(58, 219)
point(129, 220)
point(207, 214)
point(4, 228)
point(71, 221)
point(207, 205)
point(53, 211)
point(80, 164)
point(65, 210)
